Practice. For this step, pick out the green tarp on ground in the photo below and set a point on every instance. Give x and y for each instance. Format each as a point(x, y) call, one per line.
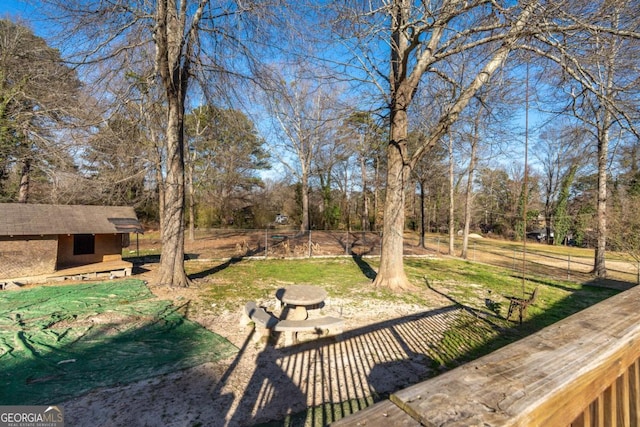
point(58, 342)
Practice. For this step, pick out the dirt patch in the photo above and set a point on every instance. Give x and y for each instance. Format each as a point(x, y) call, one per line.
point(384, 347)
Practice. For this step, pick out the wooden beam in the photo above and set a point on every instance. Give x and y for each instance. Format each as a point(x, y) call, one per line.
point(581, 370)
point(546, 379)
point(382, 414)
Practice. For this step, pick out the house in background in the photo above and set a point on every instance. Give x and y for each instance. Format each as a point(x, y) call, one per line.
point(64, 240)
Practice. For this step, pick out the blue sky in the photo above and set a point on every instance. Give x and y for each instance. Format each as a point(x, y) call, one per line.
point(22, 11)
point(27, 11)
point(14, 7)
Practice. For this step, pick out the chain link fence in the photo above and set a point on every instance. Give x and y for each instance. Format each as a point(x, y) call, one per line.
point(575, 264)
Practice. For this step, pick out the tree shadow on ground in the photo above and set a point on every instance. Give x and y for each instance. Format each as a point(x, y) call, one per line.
point(323, 379)
point(226, 264)
point(155, 259)
point(489, 303)
point(364, 266)
point(213, 270)
point(610, 284)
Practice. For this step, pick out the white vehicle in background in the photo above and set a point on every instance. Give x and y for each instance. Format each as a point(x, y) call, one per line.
point(281, 219)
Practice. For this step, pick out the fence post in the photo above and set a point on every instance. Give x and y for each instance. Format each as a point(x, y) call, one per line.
point(309, 243)
point(346, 244)
point(266, 242)
point(514, 260)
point(438, 246)
point(569, 267)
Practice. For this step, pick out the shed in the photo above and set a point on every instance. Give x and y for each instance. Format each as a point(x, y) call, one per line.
point(64, 240)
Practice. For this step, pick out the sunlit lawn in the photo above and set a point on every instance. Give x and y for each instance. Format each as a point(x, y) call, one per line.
point(227, 284)
point(467, 283)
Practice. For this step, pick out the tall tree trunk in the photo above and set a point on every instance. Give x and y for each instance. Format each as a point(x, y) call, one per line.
point(171, 271)
point(364, 222)
point(174, 54)
point(304, 223)
point(391, 273)
point(599, 266)
point(452, 211)
point(468, 202)
point(391, 260)
point(23, 194)
point(606, 121)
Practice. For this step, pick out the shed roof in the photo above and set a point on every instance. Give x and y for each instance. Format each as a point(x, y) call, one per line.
point(22, 219)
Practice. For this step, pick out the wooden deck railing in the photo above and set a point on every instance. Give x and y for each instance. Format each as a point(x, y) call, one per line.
point(581, 371)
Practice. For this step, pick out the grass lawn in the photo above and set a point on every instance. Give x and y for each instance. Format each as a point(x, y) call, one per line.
point(467, 283)
point(478, 288)
point(467, 322)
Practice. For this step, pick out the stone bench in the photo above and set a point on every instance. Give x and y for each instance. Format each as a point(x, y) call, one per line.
point(262, 320)
point(266, 322)
point(291, 328)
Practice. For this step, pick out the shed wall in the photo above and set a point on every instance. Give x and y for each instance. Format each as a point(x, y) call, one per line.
point(107, 247)
point(27, 256)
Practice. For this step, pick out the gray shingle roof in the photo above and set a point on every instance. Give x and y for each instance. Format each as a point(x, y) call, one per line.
point(20, 219)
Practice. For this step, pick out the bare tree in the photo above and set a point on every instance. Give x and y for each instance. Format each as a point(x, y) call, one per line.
point(471, 168)
point(426, 37)
point(189, 38)
point(363, 135)
point(176, 35)
point(34, 119)
point(599, 57)
point(305, 115)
